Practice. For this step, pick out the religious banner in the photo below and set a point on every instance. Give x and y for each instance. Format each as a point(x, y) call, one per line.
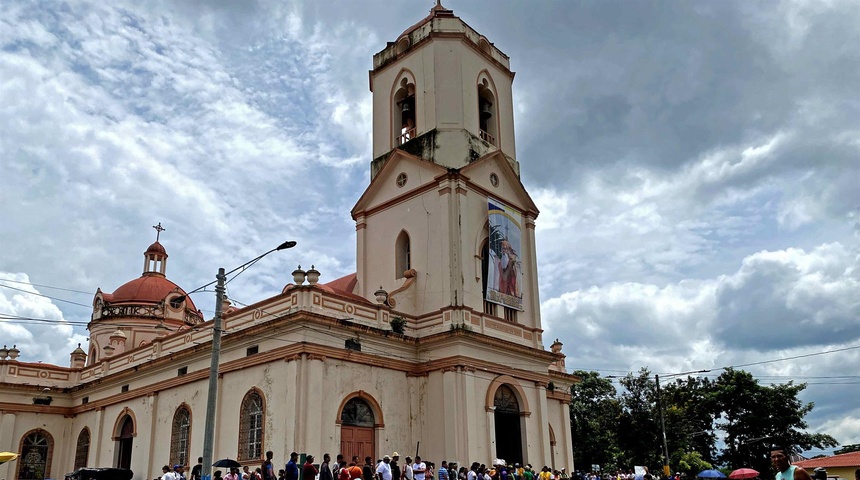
point(504, 270)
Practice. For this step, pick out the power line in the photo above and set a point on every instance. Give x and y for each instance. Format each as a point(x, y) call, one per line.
point(46, 296)
point(46, 286)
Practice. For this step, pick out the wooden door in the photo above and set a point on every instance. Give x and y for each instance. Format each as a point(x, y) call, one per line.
point(357, 441)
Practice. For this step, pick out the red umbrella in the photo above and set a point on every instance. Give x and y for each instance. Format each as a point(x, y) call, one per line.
point(742, 473)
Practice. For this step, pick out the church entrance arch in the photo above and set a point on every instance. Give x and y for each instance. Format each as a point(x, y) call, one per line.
point(359, 418)
point(508, 423)
point(124, 441)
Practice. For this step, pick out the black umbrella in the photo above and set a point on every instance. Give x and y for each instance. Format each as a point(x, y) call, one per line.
point(227, 463)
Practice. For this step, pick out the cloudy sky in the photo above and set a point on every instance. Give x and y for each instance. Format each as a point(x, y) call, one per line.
point(696, 165)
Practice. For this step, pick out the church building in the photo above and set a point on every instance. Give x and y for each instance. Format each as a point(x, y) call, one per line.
point(433, 345)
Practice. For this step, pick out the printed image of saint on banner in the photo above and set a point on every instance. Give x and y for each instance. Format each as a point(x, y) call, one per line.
point(504, 270)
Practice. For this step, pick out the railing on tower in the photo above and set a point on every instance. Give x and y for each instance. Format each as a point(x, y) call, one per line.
point(406, 136)
point(485, 136)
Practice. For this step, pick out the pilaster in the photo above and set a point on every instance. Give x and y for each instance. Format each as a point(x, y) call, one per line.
point(8, 443)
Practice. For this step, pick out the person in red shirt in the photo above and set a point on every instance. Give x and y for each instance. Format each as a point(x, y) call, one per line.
point(343, 472)
point(309, 471)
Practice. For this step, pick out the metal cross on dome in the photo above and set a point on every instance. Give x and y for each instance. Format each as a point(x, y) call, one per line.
point(158, 228)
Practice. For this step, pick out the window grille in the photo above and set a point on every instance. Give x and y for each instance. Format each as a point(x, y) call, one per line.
point(251, 427)
point(82, 451)
point(179, 438)
point(36, 451)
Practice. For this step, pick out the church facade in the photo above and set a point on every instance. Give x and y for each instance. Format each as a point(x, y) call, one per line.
point(433, 345)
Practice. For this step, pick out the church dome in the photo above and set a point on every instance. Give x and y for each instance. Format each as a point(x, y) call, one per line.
point(147, 289)
point(156, 248)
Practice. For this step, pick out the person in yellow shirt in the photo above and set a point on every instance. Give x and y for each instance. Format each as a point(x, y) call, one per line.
point(545, 474)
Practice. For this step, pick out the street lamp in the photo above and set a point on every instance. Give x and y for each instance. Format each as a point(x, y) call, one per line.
point(220, 287)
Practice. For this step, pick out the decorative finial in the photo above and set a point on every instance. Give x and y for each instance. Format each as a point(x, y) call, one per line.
point(158, 228)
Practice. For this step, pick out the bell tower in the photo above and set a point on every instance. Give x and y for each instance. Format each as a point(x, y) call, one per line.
point(442, 92)
point(446, 229)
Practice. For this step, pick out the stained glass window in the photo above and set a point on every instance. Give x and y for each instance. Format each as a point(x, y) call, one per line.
point(36, 450)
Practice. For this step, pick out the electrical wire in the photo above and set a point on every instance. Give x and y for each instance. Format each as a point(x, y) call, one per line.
point(46, 286)
point(46, 296)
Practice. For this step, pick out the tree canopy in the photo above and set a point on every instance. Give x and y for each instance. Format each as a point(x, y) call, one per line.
point(728, 422)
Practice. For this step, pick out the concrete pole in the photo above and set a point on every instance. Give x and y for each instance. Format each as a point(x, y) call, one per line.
point(212, 396)
point(666, 471)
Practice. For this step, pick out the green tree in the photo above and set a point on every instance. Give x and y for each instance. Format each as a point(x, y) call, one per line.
point(691, 463)
point(639, 437)
point(594, 413)
point(853, 447)
point(753, 416)
point(690, 414)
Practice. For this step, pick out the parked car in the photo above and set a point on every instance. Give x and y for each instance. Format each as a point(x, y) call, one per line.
point(108, 473)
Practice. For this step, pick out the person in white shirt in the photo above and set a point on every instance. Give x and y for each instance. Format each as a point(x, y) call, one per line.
point(383, 470)
point(166, 474)
point(407, 470)
point(418, 468)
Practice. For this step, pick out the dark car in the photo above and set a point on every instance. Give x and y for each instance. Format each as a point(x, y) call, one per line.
point(100, 474)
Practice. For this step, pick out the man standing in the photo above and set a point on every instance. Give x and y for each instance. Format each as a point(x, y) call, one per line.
point(418, 468)
point(179, 472)
point(325, 468)
point(442, 474)
point(407, 470)
point(197, 470)
point(292, 469)
point(268, 470)
point(309, 471)
point(383, 471)
point(166, 474)
point(367, 470)
point(780, 458)
point(354, 469)
point(395, 468)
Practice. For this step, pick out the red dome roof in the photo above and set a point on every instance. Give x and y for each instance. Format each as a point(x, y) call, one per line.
point(156, 248)
point(147, 289)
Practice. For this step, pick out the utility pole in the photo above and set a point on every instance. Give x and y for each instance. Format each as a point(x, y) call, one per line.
point(209, 431)
point(666, 470)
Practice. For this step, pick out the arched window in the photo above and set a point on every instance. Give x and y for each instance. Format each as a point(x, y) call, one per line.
point(505, 401)
point(251, 421)
point(82, 450)
point(403, 114)
point(179, 440)
point(357, 413)
point(37, 447)
point(403, 254)
point(488, 123)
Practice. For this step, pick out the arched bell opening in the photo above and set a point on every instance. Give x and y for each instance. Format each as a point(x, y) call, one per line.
point(488, 113)
point(404, 116)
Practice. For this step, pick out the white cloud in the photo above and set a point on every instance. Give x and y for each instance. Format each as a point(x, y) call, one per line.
point(33, 323)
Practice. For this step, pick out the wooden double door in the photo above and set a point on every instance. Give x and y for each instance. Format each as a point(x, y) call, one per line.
point(357, 441)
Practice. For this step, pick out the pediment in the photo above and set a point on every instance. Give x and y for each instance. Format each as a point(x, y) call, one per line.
point(509, 188)
point(384, 187)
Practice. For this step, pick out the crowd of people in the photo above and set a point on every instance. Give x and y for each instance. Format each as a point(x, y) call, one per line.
point(386, 468)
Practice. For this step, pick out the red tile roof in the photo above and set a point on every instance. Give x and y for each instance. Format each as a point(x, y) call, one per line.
point(851, 459)
point(345, 283)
